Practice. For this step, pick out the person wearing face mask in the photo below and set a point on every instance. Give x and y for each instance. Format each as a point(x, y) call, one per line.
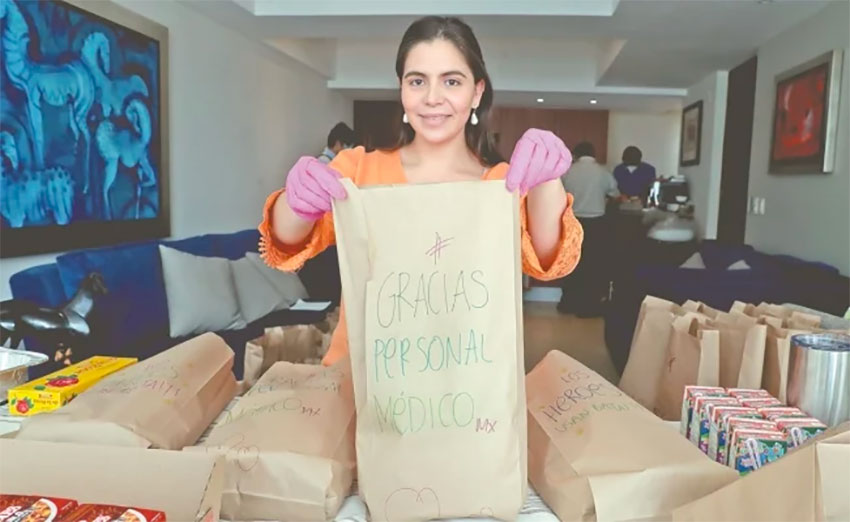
point(339, 138)
point(446, 95)
point(634, 177)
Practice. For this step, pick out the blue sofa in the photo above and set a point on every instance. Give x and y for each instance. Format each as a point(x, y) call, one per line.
point(771, 278)
point(132, 318)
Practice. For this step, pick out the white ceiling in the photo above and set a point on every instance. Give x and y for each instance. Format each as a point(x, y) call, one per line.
point(628, 54)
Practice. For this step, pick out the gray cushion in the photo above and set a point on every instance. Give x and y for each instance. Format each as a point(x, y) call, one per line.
point(200, 292)
point(257, 297)
point(287, 284)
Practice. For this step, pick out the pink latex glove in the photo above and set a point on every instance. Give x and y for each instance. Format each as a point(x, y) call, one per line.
point(539, 156)
point(310, 187)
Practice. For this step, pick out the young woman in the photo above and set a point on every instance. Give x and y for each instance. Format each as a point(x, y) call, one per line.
point(446, 95)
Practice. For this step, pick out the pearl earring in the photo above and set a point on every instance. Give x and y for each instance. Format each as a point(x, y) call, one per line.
point(474, 119)
point(404, 118)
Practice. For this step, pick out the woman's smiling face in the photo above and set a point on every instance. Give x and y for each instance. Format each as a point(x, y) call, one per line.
point(438, 91)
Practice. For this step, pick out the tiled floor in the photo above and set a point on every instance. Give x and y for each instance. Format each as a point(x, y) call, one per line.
point(583, 339)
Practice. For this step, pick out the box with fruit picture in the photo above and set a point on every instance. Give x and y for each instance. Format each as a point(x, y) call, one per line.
point(57, 389)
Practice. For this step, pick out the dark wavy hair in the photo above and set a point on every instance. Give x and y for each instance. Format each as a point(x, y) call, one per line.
point(454, 30)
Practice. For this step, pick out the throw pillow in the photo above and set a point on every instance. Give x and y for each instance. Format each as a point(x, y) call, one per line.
point(257, 297)
point(739, 265)
point(287, 284)
point(200, 292)
point(694, 262)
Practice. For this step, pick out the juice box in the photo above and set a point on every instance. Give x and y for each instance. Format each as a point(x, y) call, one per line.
point(11, 504)
point(44, 509)
point(799, 429)
point(701, 414)
point(57, 389)
point(779, 412)
point(691, 392)
point(141, 515)
point(94, 513)
point(740, 423)
point(760, 402)
point(716, 435)
point(749, 450)
point(747, 393)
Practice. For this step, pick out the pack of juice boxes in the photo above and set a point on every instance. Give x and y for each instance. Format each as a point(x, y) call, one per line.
point(743, 429)
point(23, 508)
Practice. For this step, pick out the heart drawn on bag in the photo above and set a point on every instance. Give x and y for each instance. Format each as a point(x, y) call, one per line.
point(409, 503)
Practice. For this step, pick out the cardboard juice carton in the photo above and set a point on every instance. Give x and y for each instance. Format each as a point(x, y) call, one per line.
point(703, 406)
point(59, 388)
point(691, 392)
point(737, 423)
point(780, 412)
point(759, 402)
point(799, 429)
point(747, 393)
point(45, 509)
point(750, 449)
point(716, 435)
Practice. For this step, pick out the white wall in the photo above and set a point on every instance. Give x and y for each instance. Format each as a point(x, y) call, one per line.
point(241, 114)
point(806, 215)
point(704, 179)
point(655, 134)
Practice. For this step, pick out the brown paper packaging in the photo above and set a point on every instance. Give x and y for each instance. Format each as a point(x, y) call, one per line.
point(166, 401)
point(288, 444)
point(596, 454)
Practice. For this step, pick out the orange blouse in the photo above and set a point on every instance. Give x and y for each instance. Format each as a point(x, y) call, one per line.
point(383, 168)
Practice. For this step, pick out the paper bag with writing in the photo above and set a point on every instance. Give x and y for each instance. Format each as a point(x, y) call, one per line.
point(299, 343)
point(288, 444)
point(166, 401)
point(431, 282)
point(596, 454)
point(693, 357)
point(810, 483)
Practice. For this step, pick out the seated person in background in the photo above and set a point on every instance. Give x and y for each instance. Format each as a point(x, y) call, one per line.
point(589, 183)
point(634, 177)
point(341, 137)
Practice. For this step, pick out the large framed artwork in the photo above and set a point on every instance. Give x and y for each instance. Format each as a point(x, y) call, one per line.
point(805, 116)
point(691, 135)
point(84, 126)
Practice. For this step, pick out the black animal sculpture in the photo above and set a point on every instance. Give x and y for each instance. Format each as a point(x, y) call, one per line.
point(63, 326)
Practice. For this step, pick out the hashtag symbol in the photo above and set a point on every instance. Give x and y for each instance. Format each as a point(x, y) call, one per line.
point(439, 245)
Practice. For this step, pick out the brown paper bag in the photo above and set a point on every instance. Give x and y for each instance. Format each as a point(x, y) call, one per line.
point(166, 401)
point(810, 483)
point(693, 357)
point(648, 352)
point(595, 454)
point(431, 281)
point(790, 318)
point(300, 343)
point(186, 487)
point(289, 444)
point(742, 345)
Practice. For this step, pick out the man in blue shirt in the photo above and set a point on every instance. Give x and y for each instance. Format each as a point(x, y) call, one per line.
point(340, 137)
point(634, 177)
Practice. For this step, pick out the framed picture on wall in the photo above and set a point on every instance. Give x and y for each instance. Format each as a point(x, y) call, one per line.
point(691, 135)
point(805, 116)
point(84, 127)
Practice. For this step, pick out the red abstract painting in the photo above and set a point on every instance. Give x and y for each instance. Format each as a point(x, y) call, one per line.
point(800, 110)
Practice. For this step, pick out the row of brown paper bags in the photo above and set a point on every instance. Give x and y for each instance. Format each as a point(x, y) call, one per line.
point(674, 346)
point(288, 443)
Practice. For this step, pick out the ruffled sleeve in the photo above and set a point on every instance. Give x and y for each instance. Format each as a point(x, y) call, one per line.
point(569, 246)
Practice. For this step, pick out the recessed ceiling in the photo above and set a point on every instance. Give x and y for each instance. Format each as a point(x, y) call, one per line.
point(648, 51)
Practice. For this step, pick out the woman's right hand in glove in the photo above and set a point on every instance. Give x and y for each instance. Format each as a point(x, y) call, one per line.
point(311, 186)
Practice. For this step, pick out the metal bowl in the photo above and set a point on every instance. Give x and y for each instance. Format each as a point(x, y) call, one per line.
point(13, 368)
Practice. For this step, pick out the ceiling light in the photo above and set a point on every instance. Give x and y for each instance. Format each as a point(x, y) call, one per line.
point(539, 100)
point(593, 101)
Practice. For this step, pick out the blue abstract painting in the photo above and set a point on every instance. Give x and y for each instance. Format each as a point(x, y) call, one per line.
point(80, 123)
